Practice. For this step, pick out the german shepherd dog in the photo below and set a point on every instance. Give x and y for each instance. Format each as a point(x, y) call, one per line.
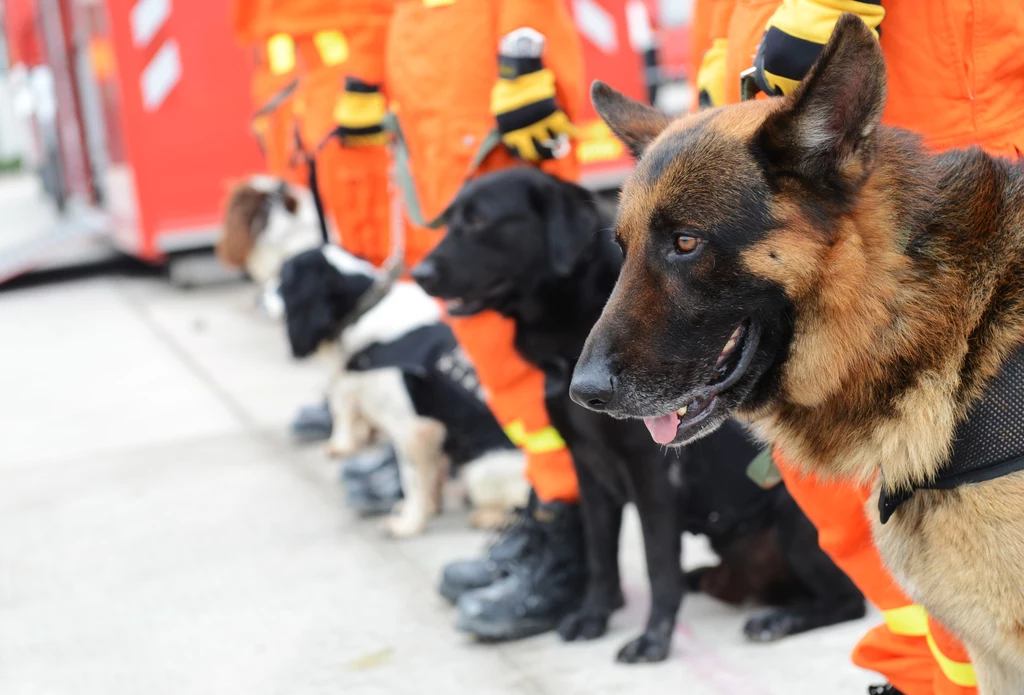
point(857, 299)
point(539, 251)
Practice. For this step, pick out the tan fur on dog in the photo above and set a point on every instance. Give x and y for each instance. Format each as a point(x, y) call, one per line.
point(240, 232)
point(905, 275)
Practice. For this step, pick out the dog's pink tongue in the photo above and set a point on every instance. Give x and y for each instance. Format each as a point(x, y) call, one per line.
point(663, 428)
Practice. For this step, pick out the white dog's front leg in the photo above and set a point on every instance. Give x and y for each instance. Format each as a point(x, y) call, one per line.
point(350, 431)
point(420, 464)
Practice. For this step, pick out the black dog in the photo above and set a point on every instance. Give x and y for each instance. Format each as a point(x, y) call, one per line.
point(538, 250)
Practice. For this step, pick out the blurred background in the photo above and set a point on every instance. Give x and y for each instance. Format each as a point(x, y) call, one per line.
point(134, 117)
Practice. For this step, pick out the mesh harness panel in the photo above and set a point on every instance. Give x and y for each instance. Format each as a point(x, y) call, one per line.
point(988, 444)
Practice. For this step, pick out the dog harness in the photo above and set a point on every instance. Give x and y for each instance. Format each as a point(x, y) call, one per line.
point(442, 385)
point(988, 444)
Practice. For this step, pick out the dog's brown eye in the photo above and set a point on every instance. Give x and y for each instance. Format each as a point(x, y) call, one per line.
point(687, 244)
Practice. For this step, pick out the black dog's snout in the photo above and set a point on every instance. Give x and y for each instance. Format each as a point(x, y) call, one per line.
point(593, 386)
point(425, 274)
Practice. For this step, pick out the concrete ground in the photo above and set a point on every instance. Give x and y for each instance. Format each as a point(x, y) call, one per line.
point(159, 533)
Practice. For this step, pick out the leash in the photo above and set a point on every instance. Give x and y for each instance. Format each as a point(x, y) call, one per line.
point(400, 151)
point(403, 174)
point(314, 185)
point(394, 266)
point(392, 269)
point(748, 85)
point(276, 100)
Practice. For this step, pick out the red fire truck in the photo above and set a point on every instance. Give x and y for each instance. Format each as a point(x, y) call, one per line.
point(153, 117)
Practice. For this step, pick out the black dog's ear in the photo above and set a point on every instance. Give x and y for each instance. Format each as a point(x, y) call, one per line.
point(824, 131)
point(635, 124)
point(303, 289)
point(571, 217)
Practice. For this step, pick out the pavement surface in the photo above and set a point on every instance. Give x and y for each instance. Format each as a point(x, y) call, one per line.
point(33, 236)
point(159, 533)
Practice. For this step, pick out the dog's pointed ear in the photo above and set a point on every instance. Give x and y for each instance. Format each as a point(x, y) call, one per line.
point(633, 123)
point(571, 215)
point(823, 132)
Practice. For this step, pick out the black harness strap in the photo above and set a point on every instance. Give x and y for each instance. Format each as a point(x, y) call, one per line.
point(314, 187)
point(313, 182)
point(988, 444)
point(442, 384)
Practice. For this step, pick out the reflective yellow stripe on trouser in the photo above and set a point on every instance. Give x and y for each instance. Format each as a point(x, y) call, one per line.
point(957, 672)
point(331, 46)
point(912, 621)
point(281, 54)
point(540, 442)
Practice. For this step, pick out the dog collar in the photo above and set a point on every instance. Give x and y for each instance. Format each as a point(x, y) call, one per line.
point(988, 444)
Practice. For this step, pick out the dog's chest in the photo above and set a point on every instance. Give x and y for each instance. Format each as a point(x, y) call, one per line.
point(960, 553)
point(905, 440)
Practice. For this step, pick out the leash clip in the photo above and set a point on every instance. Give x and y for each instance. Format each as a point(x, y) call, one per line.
point(748, 85)
point(559, 145)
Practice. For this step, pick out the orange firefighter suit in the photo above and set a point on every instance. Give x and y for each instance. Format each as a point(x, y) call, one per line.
point(442, 63)
point(275, 70)
point(317, 43)
point(956, 75)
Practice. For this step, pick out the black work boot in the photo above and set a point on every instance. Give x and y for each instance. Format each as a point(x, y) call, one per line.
point(543, 585)
point(313, 423)
point(372, 482)
point(883, 690)
point(514, 538)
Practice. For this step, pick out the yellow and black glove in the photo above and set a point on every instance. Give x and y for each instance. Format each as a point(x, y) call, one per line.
point(359, 114)
point(711, 75)
point(531, 123)
point(795, 35)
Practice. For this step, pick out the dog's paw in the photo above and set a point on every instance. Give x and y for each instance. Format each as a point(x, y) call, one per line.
point(583, 625)
point(651, 647)
point(403, 526)
point(772, 626)
point(335, 450)
point(488, 519)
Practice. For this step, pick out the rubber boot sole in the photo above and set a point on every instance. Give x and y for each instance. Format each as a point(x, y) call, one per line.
point(504, 631)
point(451, 592)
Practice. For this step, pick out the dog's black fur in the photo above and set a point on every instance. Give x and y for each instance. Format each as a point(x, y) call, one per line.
point(319, 297)
point(539, 250)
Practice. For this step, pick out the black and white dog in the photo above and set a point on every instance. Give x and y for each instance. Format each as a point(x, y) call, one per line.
point(267, 221)
point(402, 377)
point(539, 251)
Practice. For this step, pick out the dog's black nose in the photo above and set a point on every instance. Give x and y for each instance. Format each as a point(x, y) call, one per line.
point(425, 274)
point(593, 386)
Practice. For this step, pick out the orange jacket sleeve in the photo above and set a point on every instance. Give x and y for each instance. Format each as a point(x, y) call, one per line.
point(563, 53)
